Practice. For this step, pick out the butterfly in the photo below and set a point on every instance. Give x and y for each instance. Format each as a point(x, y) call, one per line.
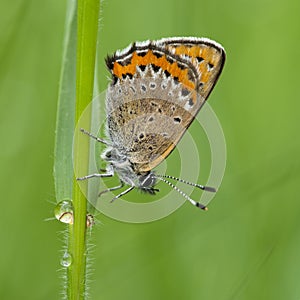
point(157, 89)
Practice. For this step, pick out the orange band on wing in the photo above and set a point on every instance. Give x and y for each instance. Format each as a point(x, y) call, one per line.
point(150, 58)
point(207, 53)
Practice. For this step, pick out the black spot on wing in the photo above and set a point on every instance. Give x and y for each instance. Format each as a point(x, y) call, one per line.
point(142, 67)
point(199, 59)
point(142, 53)
point(155, 68)
point(177, 120)
point(210, 66)
point(157, 54)
point(167, 73)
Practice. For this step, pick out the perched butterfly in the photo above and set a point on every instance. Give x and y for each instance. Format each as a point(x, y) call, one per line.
point(157, 89)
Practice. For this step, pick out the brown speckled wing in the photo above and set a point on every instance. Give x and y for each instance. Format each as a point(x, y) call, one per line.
point(157, 90)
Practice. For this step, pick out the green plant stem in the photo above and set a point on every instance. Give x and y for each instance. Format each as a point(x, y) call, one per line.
point(87, 27)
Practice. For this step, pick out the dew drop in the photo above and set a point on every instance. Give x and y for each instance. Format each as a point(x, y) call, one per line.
point(66, 260)
point(63, 211)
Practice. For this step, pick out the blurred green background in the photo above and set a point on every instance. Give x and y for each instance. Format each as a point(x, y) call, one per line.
point(247, 245)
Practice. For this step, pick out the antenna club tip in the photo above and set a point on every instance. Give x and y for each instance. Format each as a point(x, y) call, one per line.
point(205, 208)
point(210, 189)
point(201, 206)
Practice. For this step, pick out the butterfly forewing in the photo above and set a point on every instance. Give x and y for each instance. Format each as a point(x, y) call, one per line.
point(157, 89)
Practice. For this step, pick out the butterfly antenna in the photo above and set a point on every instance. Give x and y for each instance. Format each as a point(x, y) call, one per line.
point(94, 137)
point(202, 187)
point(195, 203)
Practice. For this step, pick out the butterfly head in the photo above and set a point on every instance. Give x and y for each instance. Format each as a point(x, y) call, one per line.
point(145, 181)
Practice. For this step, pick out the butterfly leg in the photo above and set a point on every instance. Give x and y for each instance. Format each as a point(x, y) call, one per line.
point(112, 189)
point(109, 173)
point(122, 194)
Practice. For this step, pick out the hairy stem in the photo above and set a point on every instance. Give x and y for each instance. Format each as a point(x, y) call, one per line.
point(87, 27)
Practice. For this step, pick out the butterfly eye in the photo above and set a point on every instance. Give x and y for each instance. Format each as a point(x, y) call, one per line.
point(147, 180)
